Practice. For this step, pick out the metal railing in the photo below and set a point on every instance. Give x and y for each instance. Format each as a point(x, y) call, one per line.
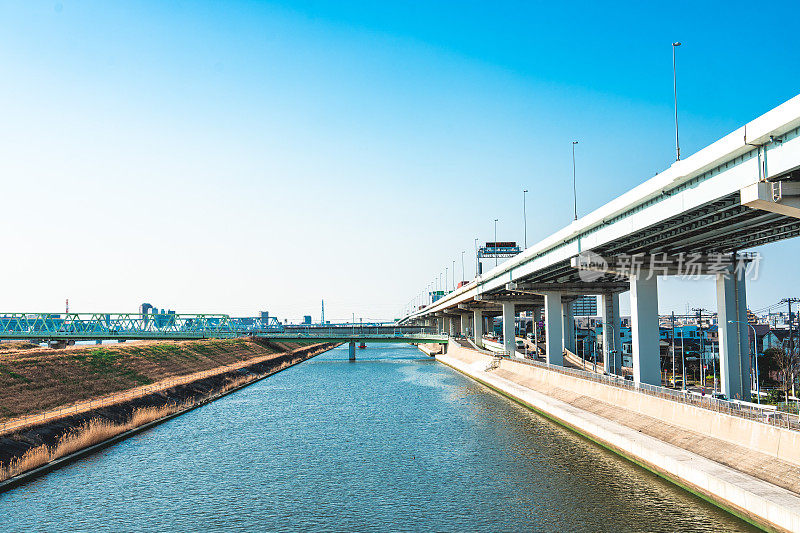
point(733, 408)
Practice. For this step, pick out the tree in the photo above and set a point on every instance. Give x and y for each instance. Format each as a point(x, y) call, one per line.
point(767, 364)
point(787, 364)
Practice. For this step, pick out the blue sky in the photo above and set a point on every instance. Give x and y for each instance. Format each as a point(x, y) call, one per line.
point(237, 156)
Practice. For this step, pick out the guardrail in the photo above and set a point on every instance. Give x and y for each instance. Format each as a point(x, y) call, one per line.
point(763, 415)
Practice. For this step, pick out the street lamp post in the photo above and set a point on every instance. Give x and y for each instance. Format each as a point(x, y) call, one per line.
point(477, 259)
point(675, 95)
point(755, 354)
point(495, 241)
point(445, 280)
point(463, 274)
point(525, 218)
point(574, 187)
point(454, 275)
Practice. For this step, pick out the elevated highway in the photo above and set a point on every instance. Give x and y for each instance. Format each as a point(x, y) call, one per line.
point(739, 192)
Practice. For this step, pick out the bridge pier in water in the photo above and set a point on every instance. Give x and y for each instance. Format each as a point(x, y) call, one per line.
point(352, 351)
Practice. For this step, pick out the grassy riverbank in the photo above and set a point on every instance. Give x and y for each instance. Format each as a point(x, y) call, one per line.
point(34, 379)
point(180, 376)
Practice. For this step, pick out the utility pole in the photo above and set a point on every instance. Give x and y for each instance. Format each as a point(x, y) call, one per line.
point(672, 345)
point(699, 311)
point(789, 302)
point(683, 359)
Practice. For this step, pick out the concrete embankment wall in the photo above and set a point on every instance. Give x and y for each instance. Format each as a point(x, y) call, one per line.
point(778, 442)
point(753, 499)
point(181, 398)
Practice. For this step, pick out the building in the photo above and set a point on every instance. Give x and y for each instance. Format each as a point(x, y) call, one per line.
point(585, 306)
point(307, 320)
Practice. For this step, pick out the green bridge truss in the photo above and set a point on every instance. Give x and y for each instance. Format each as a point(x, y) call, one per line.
point(171, 326)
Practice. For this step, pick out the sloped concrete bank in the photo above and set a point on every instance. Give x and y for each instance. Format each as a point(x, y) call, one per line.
point(173, 401)
point(763, 504)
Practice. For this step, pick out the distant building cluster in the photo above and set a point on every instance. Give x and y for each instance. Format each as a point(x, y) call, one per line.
point(161, 319)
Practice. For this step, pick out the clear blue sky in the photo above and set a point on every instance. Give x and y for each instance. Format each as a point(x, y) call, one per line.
point(235, 156)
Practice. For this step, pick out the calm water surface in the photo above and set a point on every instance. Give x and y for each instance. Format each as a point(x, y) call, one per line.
point(393, 441)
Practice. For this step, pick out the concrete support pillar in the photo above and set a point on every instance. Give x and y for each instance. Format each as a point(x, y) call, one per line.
point(644, 329)
point(612, 347)
point(734, 346)
point(464, 324)
point(446, 325)
point(553, 328)
point(477, 328)
point(568, 333)
point(352, 352)
point(453, 326)
point(509, 337)
point(537, 316)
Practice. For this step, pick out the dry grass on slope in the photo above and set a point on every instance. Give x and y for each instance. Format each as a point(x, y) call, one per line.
point(38, 379)
point(91, 433)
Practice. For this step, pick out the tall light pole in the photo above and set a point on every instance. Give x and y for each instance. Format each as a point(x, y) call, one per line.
point(454, 275)
point(525, 218)
point(675, 96)
point(463, 274)
point(477, 259)
point(574, 188)
point(445, 279)
point(495, 241)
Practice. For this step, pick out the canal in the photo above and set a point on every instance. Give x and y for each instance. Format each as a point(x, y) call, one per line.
point(394, 441)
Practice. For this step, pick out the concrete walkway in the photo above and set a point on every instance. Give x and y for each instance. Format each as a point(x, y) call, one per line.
point(673, 452)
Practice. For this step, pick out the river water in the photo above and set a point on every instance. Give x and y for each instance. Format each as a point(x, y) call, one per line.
point(394, 441)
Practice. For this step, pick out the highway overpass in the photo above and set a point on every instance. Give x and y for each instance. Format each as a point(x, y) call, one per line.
point(739, 192)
